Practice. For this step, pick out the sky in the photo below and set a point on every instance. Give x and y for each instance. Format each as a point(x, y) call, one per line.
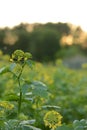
point(14, 12)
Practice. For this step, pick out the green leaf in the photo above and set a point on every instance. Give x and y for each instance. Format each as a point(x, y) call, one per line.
point(76, 123)
point(30, 63)
point(39, 89)
point(27, 122)
point(11, 124)
point(25, 88)
point(79, 128)
point(12, 66)
point(50, 107)
point(6, 126)
point(27, 55)
point(64, 127)
point(27, 100)
point(4, 70)
point(83, 122)
point(25, 125)
point(80, 125)
point(12, 97)
point(28, 127)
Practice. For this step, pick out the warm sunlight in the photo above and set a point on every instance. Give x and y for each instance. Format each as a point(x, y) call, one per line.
point(67, 40)
point(13, 12)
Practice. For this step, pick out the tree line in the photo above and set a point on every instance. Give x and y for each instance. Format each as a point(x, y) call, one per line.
point(44, 41)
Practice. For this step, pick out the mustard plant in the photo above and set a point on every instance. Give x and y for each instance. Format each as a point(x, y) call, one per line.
point(36, 89)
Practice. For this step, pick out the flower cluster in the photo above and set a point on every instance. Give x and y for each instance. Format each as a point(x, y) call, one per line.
point(6, 105)
point(20, 57)
point(52, 119)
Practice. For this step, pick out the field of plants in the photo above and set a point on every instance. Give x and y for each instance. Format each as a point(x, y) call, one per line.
point(35, 96)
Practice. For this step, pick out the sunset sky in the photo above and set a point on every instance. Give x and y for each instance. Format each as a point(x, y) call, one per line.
point(13, 12)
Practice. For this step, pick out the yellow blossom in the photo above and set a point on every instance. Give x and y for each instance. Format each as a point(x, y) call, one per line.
point(52, 119)
point(6, 105)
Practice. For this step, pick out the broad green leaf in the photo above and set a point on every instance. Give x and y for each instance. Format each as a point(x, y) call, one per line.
point(6, 126)
point(30, 63)
point(76, 123)
point(28, 127)
point(4, 70)
point(27, 122)
point(83, 122)
point(16, 69)
point(64, 127)
point(80, 125)
point(12, 66)
point(39, 89)
point(25, 88)
point(11, 124)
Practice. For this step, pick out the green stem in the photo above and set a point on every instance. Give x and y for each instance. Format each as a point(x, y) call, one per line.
point(20, 91)
point(20, 98)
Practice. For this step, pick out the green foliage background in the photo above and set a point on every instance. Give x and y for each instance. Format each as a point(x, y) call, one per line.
point(67, 90)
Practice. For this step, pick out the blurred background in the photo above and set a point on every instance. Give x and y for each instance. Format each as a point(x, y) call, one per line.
point(50, 30)
point(55, 32)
